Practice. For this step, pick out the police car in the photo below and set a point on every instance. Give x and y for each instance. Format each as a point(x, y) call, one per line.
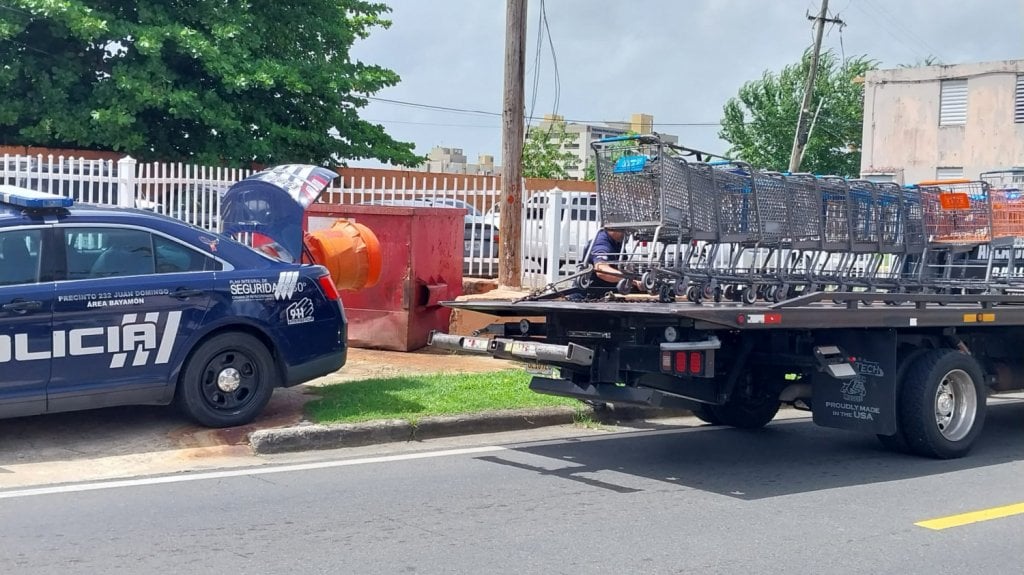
point(104, 306)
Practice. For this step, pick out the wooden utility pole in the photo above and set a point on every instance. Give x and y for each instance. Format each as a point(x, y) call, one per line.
point(800, 139)
point(510, 227)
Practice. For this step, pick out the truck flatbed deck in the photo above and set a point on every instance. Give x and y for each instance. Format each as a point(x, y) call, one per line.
point(807, 312)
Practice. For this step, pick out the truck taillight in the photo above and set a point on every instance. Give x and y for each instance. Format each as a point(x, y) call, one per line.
point(696, 362)
point(328, 287)
point(683, 362)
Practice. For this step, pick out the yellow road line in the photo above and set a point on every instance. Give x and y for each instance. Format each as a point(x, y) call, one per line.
point(941, 523)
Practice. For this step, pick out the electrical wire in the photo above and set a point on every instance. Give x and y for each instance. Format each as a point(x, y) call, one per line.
point(537, 60)
point(884, 25)
point(554, 58)
point(888, 16)
point(454, 110)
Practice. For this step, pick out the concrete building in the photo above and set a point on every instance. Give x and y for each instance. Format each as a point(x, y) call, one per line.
point(943, 121)
point(581, 135)
point(453, 161)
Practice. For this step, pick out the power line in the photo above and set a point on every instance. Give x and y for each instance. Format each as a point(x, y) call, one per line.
point(884, 25)
point(455, 110)
point(440, 124)
point(906, 30)
point(554, 58)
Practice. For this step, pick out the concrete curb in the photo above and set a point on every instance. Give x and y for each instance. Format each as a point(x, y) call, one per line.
point(333, 436)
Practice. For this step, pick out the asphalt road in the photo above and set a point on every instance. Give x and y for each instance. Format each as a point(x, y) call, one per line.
point(792, 498)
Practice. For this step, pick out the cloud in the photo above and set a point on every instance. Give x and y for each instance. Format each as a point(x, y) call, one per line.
point(677, 60)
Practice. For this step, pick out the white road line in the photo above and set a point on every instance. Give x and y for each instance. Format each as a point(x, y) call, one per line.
point(95, 486)
point(251, 471)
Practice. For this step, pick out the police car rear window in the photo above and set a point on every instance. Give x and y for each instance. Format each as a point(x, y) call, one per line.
point(112, 252)
point(19, 257)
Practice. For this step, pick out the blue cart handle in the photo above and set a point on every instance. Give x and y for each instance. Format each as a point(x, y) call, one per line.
point(618, 139)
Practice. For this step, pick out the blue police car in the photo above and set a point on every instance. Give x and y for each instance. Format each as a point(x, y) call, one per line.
point(103, 306)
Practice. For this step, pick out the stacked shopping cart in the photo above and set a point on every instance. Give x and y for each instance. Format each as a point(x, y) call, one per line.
point(725, 230)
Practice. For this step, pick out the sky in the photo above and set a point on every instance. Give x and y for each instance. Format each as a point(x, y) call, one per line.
point(679, 60)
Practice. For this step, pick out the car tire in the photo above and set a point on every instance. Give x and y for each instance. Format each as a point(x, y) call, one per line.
point(227, 381)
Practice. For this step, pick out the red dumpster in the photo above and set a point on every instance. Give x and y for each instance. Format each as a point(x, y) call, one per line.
point(422, 251)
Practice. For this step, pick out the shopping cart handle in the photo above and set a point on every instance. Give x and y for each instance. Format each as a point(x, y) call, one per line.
point(942, 182)
point(617, 139)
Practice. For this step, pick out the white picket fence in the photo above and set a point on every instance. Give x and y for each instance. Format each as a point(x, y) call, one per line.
point(192, 193)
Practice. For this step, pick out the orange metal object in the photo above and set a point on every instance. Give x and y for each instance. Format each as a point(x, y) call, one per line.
point(1007, 214)
point(423, 252)
point(955, 201)
point(350, 252)
point(957, 211)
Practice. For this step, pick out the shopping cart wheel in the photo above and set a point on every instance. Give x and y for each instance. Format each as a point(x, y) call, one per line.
point(781, 293)
point(681, 287)
point(666, 294)
point(730, 293)
point(625, 286)
point(749, 295)
point(585, 280)
point(649, 282)
point(770, 292)
point(706, 291)
point(698, 295)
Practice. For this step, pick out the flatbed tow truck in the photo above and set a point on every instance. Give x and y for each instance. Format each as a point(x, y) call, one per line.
point(913, 369)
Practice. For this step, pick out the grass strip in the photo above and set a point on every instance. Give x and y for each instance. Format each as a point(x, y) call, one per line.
point(414, 396)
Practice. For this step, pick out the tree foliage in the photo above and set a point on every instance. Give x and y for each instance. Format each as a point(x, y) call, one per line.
point(211, 81)
point(760, 122)
point(543, 155)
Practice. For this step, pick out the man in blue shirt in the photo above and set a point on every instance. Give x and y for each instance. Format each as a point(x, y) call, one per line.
point(606, 248)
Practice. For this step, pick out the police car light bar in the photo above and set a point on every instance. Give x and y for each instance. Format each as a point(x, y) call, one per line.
point(25, 198)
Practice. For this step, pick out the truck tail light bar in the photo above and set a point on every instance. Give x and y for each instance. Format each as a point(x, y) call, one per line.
point(691, 358)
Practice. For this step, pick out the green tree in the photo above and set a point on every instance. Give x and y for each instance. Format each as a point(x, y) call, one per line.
point(760, 122)
point(212, 81)
point(543, 155)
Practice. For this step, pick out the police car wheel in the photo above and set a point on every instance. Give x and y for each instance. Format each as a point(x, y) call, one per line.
point(228, 381)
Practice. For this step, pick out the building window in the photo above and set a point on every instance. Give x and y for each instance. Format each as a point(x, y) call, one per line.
point(953, 103)
point(1018, 102)
point(949, 173)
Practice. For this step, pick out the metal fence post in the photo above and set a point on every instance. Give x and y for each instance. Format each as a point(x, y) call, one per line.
point(126, 180)
point(553, 234)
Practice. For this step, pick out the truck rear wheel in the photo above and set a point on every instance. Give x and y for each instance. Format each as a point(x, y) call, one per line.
point(703, 412)
point(746, 412)
point(942, 404)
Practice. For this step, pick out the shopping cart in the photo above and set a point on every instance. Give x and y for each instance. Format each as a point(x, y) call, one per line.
point(1006, 188)
point(643, 190)
point(960, 251)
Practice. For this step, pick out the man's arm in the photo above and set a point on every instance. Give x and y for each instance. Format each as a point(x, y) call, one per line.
point(600, 252)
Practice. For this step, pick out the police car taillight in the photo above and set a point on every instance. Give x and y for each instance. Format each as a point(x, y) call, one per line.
point(328, 287)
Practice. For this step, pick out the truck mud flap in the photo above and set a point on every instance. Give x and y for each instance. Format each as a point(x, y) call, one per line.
point(856, 387)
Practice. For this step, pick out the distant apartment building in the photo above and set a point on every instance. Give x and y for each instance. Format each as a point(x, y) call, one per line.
point(581, 135)
point(943, 121)
point(453, 161)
